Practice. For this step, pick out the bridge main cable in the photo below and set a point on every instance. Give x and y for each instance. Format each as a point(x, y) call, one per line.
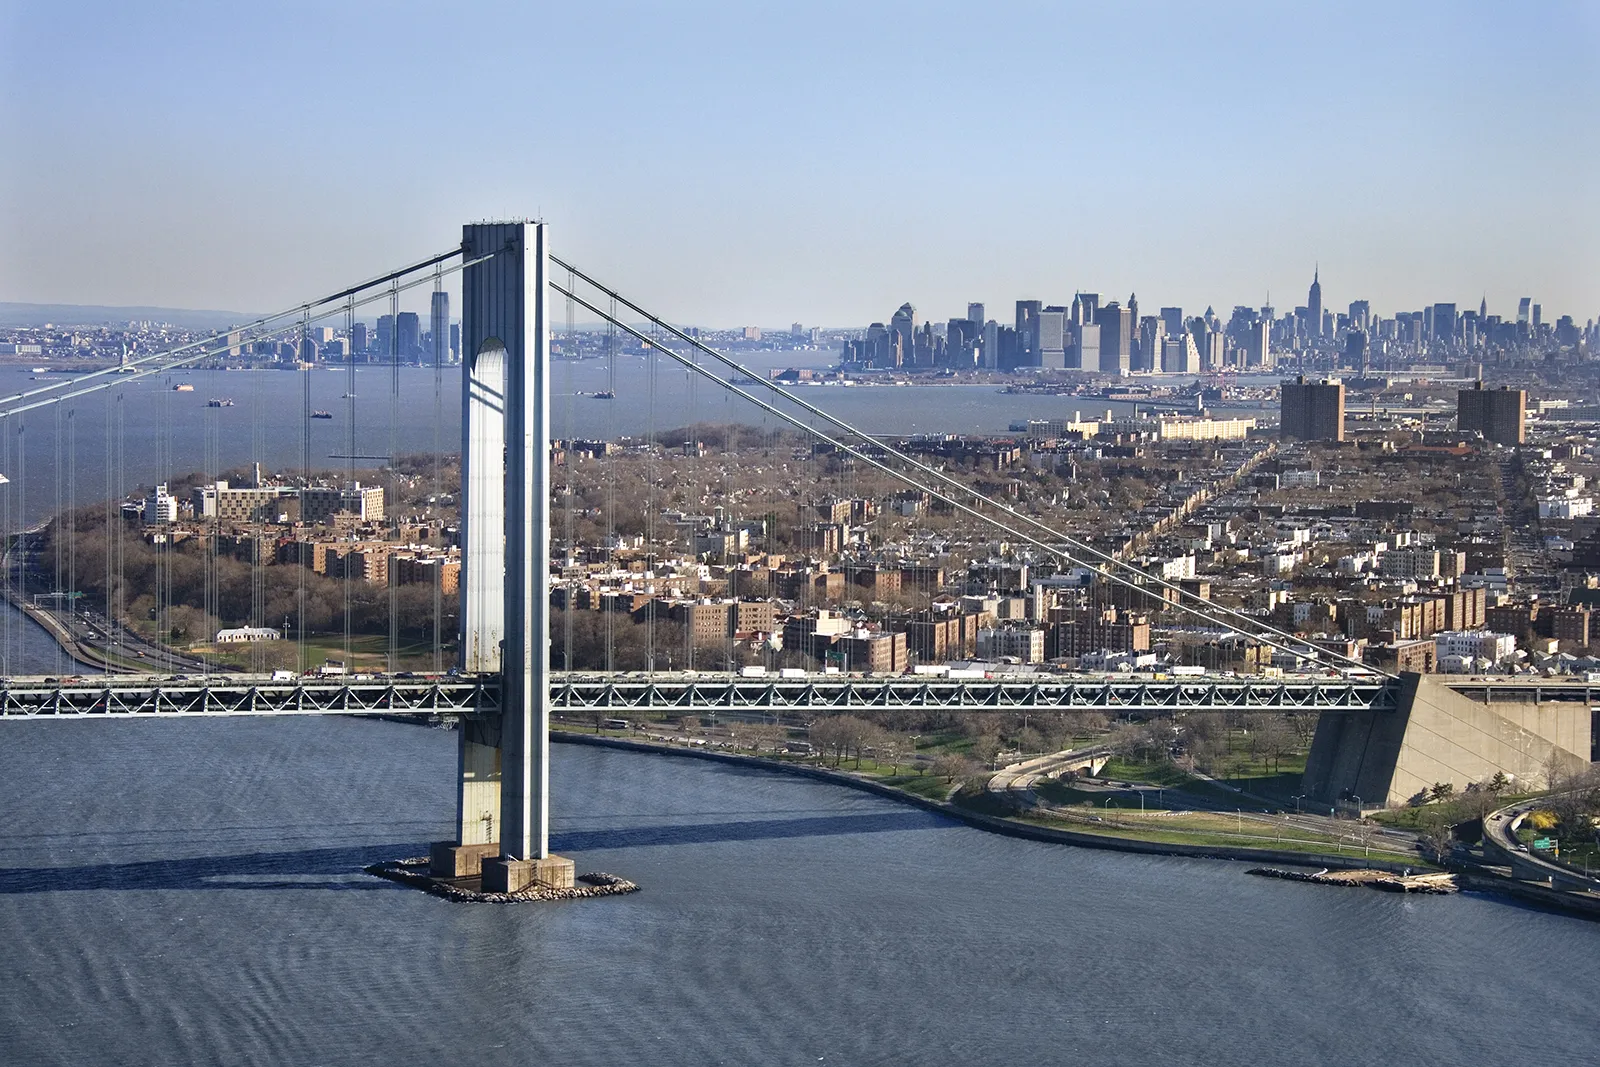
point(1294, 645)
point(299, 311)
point(1280, 640)
point(1106, 559)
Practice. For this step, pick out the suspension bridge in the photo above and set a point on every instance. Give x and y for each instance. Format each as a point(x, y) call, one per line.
point(1376, 737)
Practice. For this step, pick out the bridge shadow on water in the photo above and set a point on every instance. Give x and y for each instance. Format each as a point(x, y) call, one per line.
point(339, 868)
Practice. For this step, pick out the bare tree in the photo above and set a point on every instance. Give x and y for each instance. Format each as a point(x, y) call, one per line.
point(840, 735)
point(985, 749)
point(887, 748)
point(1438, 836)
point(1367, 832)
point(951, 766)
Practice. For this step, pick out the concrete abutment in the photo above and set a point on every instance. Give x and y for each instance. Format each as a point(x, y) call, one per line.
point(1439, 734)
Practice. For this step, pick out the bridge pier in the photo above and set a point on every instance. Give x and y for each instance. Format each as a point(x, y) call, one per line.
point(503, 794)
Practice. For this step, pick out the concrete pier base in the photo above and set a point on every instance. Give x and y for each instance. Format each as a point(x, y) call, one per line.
point(504, 875)
point(446, 859)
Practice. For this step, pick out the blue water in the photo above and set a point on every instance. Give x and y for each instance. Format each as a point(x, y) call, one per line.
point(189, 893)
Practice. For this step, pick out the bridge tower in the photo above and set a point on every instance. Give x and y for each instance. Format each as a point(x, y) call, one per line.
point(503, 792)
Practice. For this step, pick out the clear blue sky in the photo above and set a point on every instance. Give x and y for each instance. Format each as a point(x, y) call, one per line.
point(760, 163)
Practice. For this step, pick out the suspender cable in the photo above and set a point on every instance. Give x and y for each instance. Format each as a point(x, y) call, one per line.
point(72, 520)
point(568, 586)
point(350, 450)
point(652, 472)
point(21, 550)
point(441, 348)
point(301, 578)
point(55, 538)
point(608, 476)
point(393, 495)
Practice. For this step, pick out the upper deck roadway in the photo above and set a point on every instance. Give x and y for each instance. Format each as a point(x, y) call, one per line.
point(173, 696)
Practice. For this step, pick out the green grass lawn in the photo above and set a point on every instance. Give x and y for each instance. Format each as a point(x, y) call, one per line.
point(1166, 776)
point(932, 786)
point(1259, 836)
point(370, 652)
point(1057, 792)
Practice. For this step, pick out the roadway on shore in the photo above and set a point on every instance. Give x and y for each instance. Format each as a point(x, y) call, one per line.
point(1499, 829)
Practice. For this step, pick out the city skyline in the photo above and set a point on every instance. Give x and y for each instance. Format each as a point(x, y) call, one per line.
point(1508, 309)
point(789, 173)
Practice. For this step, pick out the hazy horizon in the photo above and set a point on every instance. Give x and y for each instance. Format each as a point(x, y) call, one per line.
point(728, 166)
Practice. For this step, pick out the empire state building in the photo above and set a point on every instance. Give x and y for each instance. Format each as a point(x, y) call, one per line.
point(1314, 304)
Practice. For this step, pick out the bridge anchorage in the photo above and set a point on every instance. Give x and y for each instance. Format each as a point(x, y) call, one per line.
point(1378, 737)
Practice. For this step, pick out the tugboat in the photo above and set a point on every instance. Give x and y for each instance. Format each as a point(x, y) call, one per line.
point(225, 402)
point(320, 414)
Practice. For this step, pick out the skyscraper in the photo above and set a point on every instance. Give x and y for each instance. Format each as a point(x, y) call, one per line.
point(1258, 352)
point(1172, 319)
point(1152, 333)
point(903, 336)
point(1028, 332)
point(1085, 309)
point(876, 349)
point(962, 340)
point(1136, 360)
point(384, 341)
point(358, 340)
point(1444, 324)
point(1314, 304)
point(1360, 314)
point(975, 313)
point(1053, 338)
point(1501, 415)
point(1116, 338)
point(1311, 411)
point(1355, 350)
point(408, 331)
point(439, 327)
point(1085, 353)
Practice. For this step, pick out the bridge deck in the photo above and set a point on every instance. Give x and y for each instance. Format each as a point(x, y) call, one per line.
point(222, 694)
point(150, 695)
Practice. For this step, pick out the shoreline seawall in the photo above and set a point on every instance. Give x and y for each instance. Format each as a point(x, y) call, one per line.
point(991, 823)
